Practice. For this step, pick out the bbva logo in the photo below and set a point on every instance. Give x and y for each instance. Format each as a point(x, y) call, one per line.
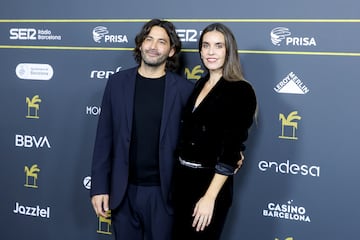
point(31, 141)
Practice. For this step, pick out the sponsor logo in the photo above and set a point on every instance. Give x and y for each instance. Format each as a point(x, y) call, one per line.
point(188, 35)
point(289, 123)
point(87, 182)
point(31, 141)
point(33, 107)
point(34, 71)
point(291, 84)
point(93, 110)
point(287, 211)
point(101, 74)
point(195, 73)
point(289, 168)
point(33, 34)
point(31, 175)
point(32, 211)
point(102, 34)
point(104, 225)
point(280, 35)
point(287, 238)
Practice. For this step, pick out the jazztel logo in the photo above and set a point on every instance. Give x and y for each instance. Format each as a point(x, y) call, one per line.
point(195, 73)
point(32, 211)
point(31, 175)
point(102, 33)
point(291, 84)
point(279, 34)
point(31, 141)
point(289, 168)
point(286, 211)
point(34, 71)
point(289, 122)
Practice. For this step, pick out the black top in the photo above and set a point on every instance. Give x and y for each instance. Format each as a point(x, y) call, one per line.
point(213, 134)
point(144, 147)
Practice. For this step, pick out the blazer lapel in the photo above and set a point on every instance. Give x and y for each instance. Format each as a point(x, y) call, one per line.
point(129, 92)
point(169, 98)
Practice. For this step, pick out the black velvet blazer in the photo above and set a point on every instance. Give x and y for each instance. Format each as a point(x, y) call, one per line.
point(213, 134)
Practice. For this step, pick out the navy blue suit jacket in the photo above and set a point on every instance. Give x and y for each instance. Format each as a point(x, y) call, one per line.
point(110, 167)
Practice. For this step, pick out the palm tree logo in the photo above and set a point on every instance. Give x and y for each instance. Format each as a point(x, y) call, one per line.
point(105, 221)
point(195, 73)
point(31, 173)
point(33, 103)
point(291, 122)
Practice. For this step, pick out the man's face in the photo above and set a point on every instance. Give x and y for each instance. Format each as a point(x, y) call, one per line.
point(156, 48)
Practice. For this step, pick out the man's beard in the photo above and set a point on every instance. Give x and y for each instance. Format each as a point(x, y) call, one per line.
point(154, 62)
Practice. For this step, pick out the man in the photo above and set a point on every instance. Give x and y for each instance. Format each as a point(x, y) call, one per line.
point(136, 137)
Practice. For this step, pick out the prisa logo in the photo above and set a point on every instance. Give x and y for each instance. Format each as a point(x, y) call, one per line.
point(102, 33)
point(31, 141)
point(279, 34)
point(32, 211)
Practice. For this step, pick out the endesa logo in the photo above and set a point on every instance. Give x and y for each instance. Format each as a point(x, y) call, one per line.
point(102, 34)
point(289, 168)
point(282, 35)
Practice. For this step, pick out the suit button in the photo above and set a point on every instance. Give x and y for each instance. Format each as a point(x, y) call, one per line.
point(192, 144)
point(203, 128)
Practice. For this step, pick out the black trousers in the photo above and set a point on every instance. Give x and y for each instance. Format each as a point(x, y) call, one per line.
point(189, 186)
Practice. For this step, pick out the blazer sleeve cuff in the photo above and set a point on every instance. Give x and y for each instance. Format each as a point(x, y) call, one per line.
point(224, 169)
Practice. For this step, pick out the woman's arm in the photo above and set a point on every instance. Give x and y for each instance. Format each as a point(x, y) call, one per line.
point(204, 208)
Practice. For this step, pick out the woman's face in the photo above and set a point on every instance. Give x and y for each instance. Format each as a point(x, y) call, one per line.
point(213, 51)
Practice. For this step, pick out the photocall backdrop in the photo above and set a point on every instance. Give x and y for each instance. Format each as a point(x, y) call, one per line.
point(300, 178)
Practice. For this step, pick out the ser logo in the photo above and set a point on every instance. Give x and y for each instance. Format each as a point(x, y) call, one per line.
point(187, 35)
point(23, 34)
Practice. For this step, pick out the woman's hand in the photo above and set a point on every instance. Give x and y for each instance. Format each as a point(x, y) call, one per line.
point(203, 212)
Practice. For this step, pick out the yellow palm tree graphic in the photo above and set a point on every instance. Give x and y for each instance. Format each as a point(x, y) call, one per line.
point(33, 104)
point(195, 74)
point(107, 222)
point(289, 121)
point(31, 172)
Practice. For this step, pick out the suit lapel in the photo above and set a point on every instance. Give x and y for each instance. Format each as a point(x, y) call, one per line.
point(169, 98)
point(129, 92)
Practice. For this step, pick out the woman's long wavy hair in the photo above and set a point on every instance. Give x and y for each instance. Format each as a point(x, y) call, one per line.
point(172, 63)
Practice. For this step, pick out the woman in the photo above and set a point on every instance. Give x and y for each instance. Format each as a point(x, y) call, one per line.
point(214, 126)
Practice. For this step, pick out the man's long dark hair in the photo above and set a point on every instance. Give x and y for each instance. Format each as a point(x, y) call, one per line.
point(172, 63)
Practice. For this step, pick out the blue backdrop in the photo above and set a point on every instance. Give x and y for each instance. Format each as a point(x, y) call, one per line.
point(300, 175)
